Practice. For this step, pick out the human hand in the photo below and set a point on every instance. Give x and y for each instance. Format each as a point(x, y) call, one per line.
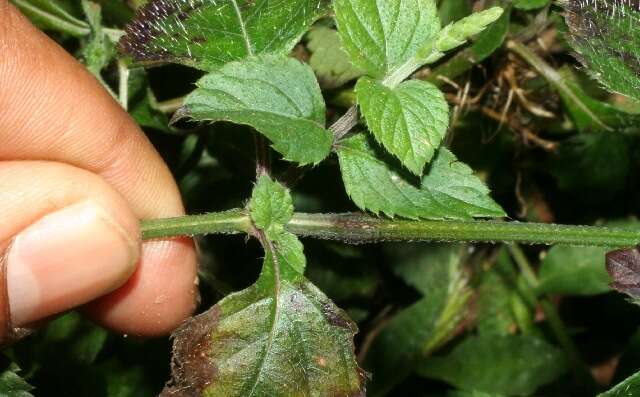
point(76, 175)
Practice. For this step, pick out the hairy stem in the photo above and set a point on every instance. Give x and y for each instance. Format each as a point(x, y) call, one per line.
point(358, 228)
point(228, 222)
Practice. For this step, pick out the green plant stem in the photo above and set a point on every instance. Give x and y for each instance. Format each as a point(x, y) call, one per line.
point(553, 317)
point(362, 228)
point(228, 222)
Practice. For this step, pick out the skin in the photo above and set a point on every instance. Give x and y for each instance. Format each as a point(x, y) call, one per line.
point(64, 141)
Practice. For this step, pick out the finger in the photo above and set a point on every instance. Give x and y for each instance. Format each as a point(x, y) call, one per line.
point(52, 109)
point(66, 238)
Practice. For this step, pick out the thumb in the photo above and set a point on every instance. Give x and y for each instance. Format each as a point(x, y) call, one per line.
point(67, 237)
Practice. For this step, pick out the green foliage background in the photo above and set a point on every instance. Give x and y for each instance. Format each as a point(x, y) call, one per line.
point(435, 319)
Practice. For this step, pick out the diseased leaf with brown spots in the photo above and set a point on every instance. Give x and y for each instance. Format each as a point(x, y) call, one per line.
point(209, 33)
point(281, 337)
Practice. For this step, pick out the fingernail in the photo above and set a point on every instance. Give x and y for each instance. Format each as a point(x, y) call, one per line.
point(66, 259)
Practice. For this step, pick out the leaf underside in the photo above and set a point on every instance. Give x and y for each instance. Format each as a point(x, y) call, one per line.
point(279, 97)
point(410, 120)
point(606, 37)
point(209, 33)
point(448, 190)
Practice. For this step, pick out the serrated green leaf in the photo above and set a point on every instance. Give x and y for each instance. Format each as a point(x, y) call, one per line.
point(328, 60)
point(606, 37)
point(510, 365)
point(410, 120)
point(271, 206)
point(381, 36)
point(290, 248)
point(279, 97)
point(449, 190)
point(574, 271)
point(415, 332)
point(280, 337)
point(12, 384)
point(627, 388)
point(209, 33)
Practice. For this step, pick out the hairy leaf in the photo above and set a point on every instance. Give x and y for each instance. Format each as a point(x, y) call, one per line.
point(410, 120)
point(328, 60)
point(279, 97)
point(271, 206)
point(449, 190)
point(510, 365)
point(381, 36)
point(627, 388)
point(415, 332)
point(12, 384)
point(574, 271)
point(606, 37)
point(280, 337)
point(209, 33)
